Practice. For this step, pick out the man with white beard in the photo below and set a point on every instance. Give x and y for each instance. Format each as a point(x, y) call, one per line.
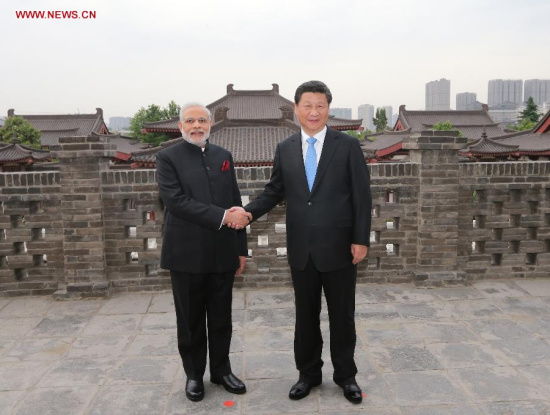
point(198, 185)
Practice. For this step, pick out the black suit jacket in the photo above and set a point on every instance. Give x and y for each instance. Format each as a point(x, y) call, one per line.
point(337, 212)
point(196, 188)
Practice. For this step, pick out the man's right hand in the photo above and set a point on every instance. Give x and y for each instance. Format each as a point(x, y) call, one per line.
point(237, 218)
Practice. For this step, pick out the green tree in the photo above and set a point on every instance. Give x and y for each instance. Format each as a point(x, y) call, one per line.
point(25, 133)
point(523, 125)
point(531, 112)
point(380, 120)
point(443, 126)
point(150, 114)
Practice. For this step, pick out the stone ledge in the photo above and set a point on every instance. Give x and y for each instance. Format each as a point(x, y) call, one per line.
point(83, 290)
point(439, 278)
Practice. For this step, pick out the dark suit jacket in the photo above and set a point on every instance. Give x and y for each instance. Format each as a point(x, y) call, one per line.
point(196, 191)
point(337, 212)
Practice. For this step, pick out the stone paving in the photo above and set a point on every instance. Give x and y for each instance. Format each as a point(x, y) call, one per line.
point(479, 349)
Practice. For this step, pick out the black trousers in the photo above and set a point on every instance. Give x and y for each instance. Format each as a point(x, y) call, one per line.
point(203, 301)
point(339, 289)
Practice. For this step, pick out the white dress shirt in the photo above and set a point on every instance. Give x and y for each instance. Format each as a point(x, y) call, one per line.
point(320, 136)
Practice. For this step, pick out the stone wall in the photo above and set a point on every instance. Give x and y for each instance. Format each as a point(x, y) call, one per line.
point(86, 230)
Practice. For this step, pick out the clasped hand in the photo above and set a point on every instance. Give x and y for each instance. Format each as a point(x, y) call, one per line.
point(237, 218)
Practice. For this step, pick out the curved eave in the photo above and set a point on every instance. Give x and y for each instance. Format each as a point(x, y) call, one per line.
point(26, 160)
point(389, 150)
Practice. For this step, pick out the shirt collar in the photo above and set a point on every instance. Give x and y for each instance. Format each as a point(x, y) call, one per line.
point(320, 136)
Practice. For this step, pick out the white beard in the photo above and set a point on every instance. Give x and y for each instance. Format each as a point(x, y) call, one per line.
point(200, 143)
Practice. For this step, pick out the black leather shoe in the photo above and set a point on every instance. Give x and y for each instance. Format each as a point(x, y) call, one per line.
point(302, 388)
point(231, 383)
point(194, 390)
point(352, 392)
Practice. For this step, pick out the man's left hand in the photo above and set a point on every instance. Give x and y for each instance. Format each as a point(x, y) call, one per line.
point(242, 262)
point(359, 253)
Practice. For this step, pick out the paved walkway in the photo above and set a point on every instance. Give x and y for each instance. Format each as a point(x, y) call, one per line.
point(482, 349)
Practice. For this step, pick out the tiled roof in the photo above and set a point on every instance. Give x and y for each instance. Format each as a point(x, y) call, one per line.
point(127, 145)
point(383, 140)
point(528, 142)
point(342, 123)
point(66, 125)
point(163, 125)
point(17, 153)
point(249, 106)
point(252, 104)
point(251, 145)
point(469, 123)
point(488, 146)
point(248, 145)
point(532, 142)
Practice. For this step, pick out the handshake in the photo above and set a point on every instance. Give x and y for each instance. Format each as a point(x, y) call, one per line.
point(237, 218)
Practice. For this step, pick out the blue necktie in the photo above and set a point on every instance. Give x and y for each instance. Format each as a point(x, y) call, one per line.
point(311, 162)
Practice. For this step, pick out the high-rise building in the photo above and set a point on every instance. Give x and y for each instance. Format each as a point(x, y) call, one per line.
point(505, 90)
point(438, 95)
point(341, 113)
point(366, 112)
point(464, 100)
point(539, 89)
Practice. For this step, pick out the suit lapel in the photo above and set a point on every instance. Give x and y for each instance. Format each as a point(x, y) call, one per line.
point(298, 159)
point(329, 147)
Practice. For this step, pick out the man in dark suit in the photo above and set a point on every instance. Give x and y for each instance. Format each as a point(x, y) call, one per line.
point(323, 177)
point(197, 184)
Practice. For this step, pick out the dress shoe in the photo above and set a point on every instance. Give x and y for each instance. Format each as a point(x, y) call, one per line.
point(231, 383)
point(302, 388)
point(194, 390)
point(352, 392)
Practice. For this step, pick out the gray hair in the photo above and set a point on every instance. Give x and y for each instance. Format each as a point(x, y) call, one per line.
point(194, 104)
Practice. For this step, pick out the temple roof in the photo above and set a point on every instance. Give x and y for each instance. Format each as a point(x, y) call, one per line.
point(470, 123)
point(247, 106)
point(249, 145)
point(531, 142)
point(252, 104)
point(65, 125)
point(15, 153)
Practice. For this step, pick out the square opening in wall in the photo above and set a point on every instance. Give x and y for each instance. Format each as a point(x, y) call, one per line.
point(497, 208)
point(20, 247)
point(152, 269)
point(36, 208)
point(513, 247)
point(263, 240)
point(392, 249)
point(151, 243)
point(132, 257)
point(496, 259)
point(515, 221)
point(131, 231)
point(38, 260)
point(531, 258)
point(20, 274)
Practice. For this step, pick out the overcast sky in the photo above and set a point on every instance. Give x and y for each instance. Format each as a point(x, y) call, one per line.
point(381, 52)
